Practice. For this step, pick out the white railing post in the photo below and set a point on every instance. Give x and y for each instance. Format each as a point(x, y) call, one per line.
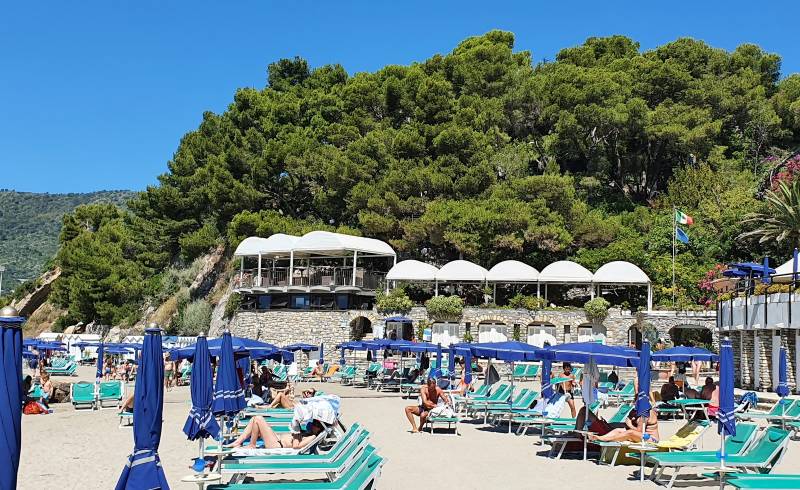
point(291, 266)
point(258, 275)
point(355, 261)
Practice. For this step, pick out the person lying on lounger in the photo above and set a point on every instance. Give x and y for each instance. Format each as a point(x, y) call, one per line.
point(126, 405)
point(632, 432)
point(429, 396)
point(283, 400)
point(318, 371)
point(258, 428)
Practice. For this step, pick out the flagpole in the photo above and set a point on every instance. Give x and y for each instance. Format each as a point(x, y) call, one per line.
point(674, 233)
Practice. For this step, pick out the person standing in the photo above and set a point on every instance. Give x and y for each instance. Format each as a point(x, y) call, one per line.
point(169, 370)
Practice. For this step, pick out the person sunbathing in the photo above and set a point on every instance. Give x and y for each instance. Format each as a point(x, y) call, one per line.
point(318, 371)
point(258, 428)
point(283, 400)
point(126, 405)
point(633, 430)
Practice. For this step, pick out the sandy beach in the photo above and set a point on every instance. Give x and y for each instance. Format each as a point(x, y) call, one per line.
point(83, 449)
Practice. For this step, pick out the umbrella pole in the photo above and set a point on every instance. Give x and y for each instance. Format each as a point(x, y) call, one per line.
point(722, 460)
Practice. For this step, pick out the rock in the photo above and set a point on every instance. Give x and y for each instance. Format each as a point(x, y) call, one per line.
point(30, 303)
point(62, 390)
point(205, 279)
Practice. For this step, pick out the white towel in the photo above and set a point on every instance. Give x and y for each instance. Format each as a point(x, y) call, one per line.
point(591, 374)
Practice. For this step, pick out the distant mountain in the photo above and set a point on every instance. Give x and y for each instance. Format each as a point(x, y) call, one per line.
point(29, 227)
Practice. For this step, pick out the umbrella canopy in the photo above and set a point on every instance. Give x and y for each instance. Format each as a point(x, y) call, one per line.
point(301, 347)
point(279, 355)
point(228, 394)
point(783, 375)
point(505, 351)
point(10, 395)
point(143, 469)
point(725, 415)
point(240, 346)
point(643, 372)
point(684, 354)
point(547, 388)
point(100, 356)
point(602, 354)
point(342, 360)
point(200, 423)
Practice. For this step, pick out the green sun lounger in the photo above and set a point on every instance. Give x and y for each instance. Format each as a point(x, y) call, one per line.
point(625, 394)
point(777, 410)
point(109, 392)
point(340, 463)
point(68, 370)
point(361, 475)
point(82, 395)
point(760, 455)
point(760, 481)
point(354, 435)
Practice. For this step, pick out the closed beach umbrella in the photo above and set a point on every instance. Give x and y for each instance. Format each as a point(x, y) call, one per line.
point(547, 388)
point(143, 469)
point(451, 362)
point(228, 394)
point(201, 423)
point(726, 419)
point(10, 395)
point(643, 371)
point(100, 354)
point(783, 381)
point(468, 366)
point(321, 352)
point(342, 360)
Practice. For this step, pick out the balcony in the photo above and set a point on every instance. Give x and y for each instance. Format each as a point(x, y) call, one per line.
point(321, 279)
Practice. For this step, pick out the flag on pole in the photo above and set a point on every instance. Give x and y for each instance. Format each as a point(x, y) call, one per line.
point(681, 235)
point(683, 219)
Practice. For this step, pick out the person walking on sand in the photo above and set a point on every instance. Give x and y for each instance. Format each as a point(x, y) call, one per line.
point(429, 396)
point(169, 369)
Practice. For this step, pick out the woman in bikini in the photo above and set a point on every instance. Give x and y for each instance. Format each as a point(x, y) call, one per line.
point(633, 430)
point(258, 428)
point(283, 400)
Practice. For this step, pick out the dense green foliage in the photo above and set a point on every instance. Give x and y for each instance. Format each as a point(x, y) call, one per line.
point(29, 227)
point(445, 307)
point(527, 302)
point(478, 154)
point(395, 300)
point(596, 310)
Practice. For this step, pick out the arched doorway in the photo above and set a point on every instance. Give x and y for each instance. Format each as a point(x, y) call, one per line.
point(492, 331)
point(692, 335)
point(541, 334)
point(360, 327)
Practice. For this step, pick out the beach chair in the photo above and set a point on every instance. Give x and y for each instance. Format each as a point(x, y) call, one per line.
point(625, 394)
point(361, 475)
point(125, 419)
point(735, 445)
point(777, 410)
point(410, 386)
point(519, 371)
point(68, 369)
point(82, 395)
point(500, 394)
point(770, 481)
point(762, 456)
point(684, 439)
point(110, 391)
point(561, 427)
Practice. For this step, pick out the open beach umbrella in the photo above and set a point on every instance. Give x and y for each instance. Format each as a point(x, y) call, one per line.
point(301, 347)
point(228, 394)
point(726, 418)
point(143, 469)
point(684, 354)
point(100, 355)
point(603, 354)
point(10, 395)
point(201, 423)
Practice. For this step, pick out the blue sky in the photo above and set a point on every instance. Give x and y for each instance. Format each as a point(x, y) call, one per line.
point(97, 94)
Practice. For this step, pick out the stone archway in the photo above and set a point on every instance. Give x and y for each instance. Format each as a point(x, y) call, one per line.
point(692, 335)
point(360, 326)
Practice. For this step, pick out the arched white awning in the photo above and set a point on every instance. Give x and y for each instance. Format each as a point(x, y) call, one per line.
point(250, 246)
point(565, 272)
point(326, 242)
point(277, 244)
point(461, 271)
point(620, 272)
point(412, 270)
point(512, 271)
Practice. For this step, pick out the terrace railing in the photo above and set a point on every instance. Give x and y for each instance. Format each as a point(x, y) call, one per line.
point(753, 304)
point(309, 276)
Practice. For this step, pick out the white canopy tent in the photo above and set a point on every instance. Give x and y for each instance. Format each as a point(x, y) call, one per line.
point(621, 273)
point(510, 271)
point(783, 273)
point(412, 270)
point(462, 271)
point(564, 272)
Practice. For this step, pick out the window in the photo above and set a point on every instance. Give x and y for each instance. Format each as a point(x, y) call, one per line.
point(264, 301)
point(492, 332)
point(342, 301)
point(300, 301)
point(584, 333)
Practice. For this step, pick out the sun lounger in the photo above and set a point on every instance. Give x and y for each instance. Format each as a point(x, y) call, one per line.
point(760, 481)
point(625, 394)
point(110, 391)
point(361, 475)
point(68, 370)
point(683, 440)
point(760, 455)
point(776, 410)
point(82, 395)
point(354, 435)
point(125, 419)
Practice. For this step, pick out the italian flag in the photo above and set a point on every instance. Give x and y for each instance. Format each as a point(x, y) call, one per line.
point(683, 218)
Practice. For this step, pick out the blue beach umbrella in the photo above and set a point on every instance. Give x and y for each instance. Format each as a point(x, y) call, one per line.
point(321, 352)
point(437, 372)
point(143, 469)
point(643, 372)
point(684, 354)
point(228, 394)
point(468, 366)
point(10, 395)
point(783, 380)
point(726, 418)
point(301, 347)
point(201, 423)
point(547, 388)
point(451, 361)
point(100, 355)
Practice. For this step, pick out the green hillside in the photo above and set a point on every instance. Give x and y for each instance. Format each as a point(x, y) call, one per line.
point(29, 227)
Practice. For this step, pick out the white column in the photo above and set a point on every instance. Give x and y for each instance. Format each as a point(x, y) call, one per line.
point(258, 276)
point(797, 361)
point(776, 355)
point(741, 357)
point(291, 266)
point(436, 287)
point(241, 270)
point(756, 361)
point(355, 261)
point(591, 292)
point(538, 290)
point(545, 293)
point(649, 297)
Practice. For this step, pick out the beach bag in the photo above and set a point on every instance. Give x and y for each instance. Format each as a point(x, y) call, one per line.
point(442, 411)
point(33, 408)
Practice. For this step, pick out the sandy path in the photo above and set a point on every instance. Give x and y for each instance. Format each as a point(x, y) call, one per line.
point(71, 449)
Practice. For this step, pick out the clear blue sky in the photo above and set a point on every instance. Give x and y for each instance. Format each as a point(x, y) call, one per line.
point(97, 94)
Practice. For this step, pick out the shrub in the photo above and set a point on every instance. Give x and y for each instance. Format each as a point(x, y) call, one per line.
point(468, 336)
point(526, 302)
point(778, 288)
point(394, 300)
point(444, 306)
point(195, 318)
point(516, 333)
point(596, 310)
point(233, 304)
